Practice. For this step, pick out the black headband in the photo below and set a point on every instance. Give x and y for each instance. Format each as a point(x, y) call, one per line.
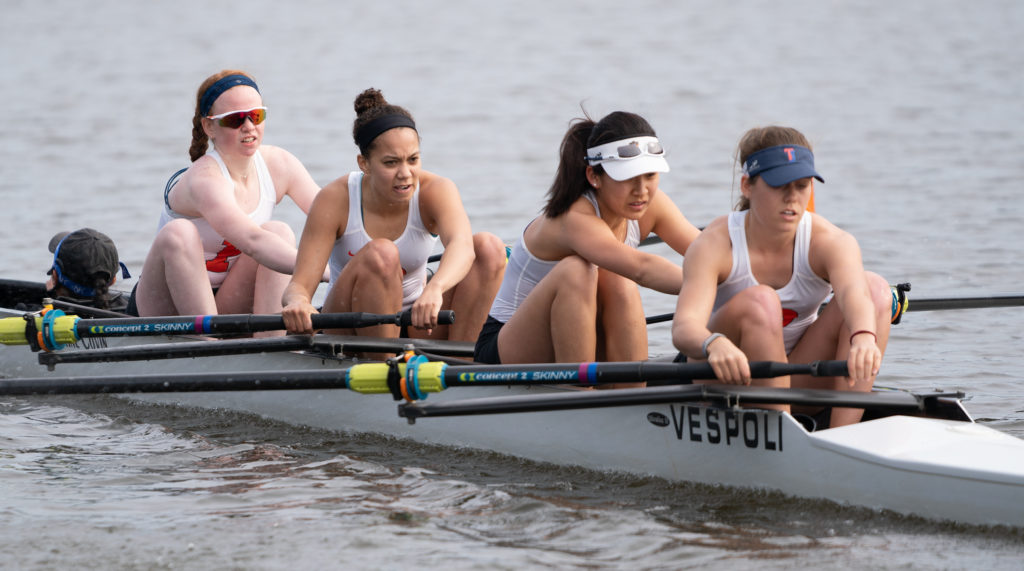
point(220, 86)
point(370, 131)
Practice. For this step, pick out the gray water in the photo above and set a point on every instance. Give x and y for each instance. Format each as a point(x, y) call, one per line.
point(914, 110)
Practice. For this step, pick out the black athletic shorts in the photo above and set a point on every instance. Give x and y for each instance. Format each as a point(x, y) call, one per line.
point(486, 349)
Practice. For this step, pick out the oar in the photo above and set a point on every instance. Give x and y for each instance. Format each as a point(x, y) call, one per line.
point(420, 376)
point(928, 304)
point(982, 302)
point(327, 344)
point(56, 329)
point(413, 380)
point(727, 394)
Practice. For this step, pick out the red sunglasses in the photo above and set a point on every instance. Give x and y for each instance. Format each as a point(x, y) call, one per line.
point(235, 119)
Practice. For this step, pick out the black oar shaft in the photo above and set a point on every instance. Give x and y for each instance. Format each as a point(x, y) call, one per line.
point(236, 323)
point(941, 303)
point(252, 381)
point(622, 372)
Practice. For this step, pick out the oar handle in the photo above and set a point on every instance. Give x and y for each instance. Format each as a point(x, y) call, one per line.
point(355, 320)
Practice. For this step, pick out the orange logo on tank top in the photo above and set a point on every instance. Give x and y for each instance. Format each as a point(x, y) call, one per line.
point(219, 263)
point(788, 315)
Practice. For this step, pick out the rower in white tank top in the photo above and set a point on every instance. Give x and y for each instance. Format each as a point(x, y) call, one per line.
point(219, 253)
point(801, 297)
point(524, 270)
point(414, 245)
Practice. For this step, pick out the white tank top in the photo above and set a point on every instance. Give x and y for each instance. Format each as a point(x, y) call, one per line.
point(219, 253)
point(801, 298)
point(524, 270)
point(414, 245)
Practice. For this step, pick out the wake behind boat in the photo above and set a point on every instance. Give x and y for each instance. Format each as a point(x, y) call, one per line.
point(913, 454)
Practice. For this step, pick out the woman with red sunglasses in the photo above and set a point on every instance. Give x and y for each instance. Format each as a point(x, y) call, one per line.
point(756, 279)
point(570, 290)
point(217, 249)
point(377, 226)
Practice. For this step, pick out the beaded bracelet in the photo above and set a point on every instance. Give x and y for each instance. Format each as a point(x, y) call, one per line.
point(859, 331)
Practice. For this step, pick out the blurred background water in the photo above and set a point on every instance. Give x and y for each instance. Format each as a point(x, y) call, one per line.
point(914, 111)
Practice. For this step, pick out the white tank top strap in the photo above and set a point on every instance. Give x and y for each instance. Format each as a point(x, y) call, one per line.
point(632, 227)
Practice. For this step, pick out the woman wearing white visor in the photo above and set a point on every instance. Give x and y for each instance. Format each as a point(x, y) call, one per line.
point(570, 288)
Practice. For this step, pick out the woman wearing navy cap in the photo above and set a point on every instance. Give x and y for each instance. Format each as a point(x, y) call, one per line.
point(570, 290)
point(755, 280)
point(217, 249)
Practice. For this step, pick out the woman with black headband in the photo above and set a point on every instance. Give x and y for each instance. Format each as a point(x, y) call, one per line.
point(377, 227)
point(570, 290)
point(756, 279)
point(217, 249)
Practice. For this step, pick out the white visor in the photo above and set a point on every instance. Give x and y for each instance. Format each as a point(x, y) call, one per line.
point(620, 167)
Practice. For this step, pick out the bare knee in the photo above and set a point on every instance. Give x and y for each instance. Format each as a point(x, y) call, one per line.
point(281, 229)
point(178, 235)
point(578, 276)
point(380, 257)
point(761, 307)
point(490, 252)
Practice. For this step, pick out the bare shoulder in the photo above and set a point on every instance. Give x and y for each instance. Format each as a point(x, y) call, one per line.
point(716, 232)
point(335, 190)
point(200, 185)
point(278, 160)
point(827, 235)
point(433, 184)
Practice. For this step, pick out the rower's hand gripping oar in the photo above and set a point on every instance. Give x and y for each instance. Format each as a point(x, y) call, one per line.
point(53, 330)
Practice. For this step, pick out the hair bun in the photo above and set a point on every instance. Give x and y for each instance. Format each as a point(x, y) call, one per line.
point(369, 99)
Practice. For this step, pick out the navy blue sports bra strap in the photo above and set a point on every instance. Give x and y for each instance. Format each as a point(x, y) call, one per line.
point(170, 184)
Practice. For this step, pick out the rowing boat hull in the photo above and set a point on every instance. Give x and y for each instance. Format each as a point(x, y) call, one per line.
point(940, 469)
point(933, 468)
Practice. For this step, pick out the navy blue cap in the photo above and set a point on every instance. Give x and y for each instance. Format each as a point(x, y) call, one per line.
point(781, 164)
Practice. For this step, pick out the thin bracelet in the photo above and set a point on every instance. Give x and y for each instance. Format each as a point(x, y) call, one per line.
point(859, 331)
point(704, 346)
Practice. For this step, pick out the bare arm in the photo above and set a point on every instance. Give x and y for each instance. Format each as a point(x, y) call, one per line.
point(670, 225)
point(212, 196)
point(839, 254)
point(318, 236)
point(588, 236)
point(703, 268)
point(290, 177)
point(445, 215)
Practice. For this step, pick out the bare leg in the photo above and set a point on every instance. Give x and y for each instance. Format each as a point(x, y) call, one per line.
point(622, 329)
point(557, 321)
point(174, 279)
point(371, 282)
point(471, 299)
point(752, 319)
point(252, 288)
point(829, 338)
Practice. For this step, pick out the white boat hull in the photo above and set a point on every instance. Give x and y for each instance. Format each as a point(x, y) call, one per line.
point(939, 469)
point(950, 470)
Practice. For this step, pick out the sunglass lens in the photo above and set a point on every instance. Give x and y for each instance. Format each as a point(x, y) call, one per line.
point(628, 151)
point(655, 148)
point(235, 120)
